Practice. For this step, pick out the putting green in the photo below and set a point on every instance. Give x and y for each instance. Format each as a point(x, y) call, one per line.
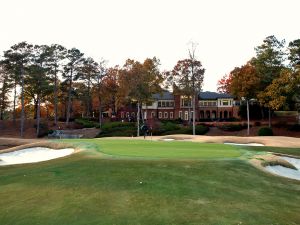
point(161, 149)
point(92, 188)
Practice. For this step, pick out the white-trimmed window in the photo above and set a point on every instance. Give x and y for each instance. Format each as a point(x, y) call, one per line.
point(152, 114)
point(171, 115)
point(122, 115)
point(186, 115)
point(165, 115)
point(160, 115)
point(225, 102)
point(180, 114)
point(127, 114)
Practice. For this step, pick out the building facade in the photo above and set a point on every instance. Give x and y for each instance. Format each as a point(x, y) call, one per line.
point(209, 106)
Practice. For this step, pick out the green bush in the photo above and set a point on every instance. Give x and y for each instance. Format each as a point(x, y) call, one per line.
point(112, 125)
point(169, 126)
point(233, 127)
point(86, 123)
point(265, 131)
point(118, 129)
point(200, 129)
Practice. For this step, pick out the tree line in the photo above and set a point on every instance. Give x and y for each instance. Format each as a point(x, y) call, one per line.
point(50, 79)
point(271, 77)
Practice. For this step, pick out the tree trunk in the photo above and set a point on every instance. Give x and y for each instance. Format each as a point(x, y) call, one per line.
point(35, 108)
point(138, 119)
point(38, 115)
point(22, 104)
point(194, 115)
point(100, 115)
point(69, 98)
point(189, 116)
point(55, 97)
point(89, 113)
point(270, 118)
point(248, 119)
point(14, 109)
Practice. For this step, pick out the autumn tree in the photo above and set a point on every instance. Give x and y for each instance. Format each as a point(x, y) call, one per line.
point(57, 54)
point(139, 81)
point(18, 57)
point(98, 84)
point(224, 84)
point(269, 61)
point(244, 85)
point(6, 84)
point(187, 78)
point(294, 58)
point(74, 57)
point(87, 73)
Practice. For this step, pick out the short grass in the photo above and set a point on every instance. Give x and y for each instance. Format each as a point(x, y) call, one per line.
point(159, 149)
point(166, 188)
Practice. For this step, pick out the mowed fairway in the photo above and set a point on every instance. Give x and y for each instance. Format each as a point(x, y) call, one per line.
point(143, 182)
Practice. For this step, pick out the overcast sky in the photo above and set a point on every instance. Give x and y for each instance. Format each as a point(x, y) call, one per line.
point(226, 30)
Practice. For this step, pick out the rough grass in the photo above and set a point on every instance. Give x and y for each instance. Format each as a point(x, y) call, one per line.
point(89, 189)
point(279, 163)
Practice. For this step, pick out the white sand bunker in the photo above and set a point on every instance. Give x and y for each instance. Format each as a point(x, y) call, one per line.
point(33, 155)
point(248, 144)
point(286, 172)
point(168, 139)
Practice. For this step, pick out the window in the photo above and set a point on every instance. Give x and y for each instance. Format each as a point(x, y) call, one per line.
point(127, 114)
point(165, 103)
point(226, 102)
point(186, 102)
point(160, 115)
point(171, 115)
point(166, 115)
point(145, 114)
point(122, 115)
point(186, 115)
point(152, 114)
point(180, 114)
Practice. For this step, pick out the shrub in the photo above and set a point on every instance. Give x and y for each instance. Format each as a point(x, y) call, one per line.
point(294, 127)
point(200, 129)
point(43, 129)
point(265, 131)
point(117, 129)
point(233, 127)
point(86, 123)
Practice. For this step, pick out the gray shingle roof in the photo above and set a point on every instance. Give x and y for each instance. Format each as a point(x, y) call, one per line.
point(213, 95)
point(165, 95)
point(208, 95)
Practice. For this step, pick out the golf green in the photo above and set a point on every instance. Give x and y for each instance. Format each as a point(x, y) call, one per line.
point(143, 182)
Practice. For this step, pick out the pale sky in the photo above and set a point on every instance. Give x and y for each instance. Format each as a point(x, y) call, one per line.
point(226, 30)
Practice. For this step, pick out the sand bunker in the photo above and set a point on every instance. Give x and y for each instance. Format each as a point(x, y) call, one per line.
point(286, 172)
point(33, 155)
point(248, 144)
point(168, 139)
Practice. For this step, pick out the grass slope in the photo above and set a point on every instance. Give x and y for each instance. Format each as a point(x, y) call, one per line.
point(86, 188)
